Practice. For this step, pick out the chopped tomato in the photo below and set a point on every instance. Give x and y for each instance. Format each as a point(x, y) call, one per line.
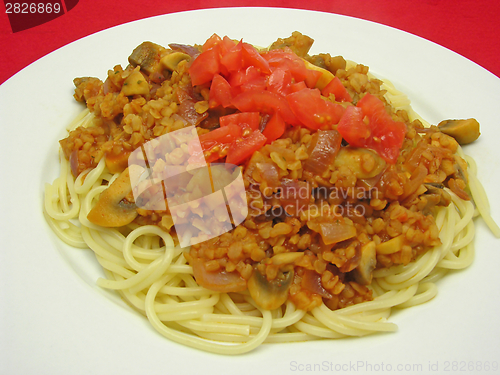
point(371, 105)
point(336, 88)
point(312, 110)
point(248, 79)
point(265, 102)
point(245, 120)
point(205, 66)
point(239, 151)
point(252, 57)
point(279, 81)
point(352, 127)
point(381, 134)
point(232, 59)
point(297, 86)
point(215, 143)
point(312, 77)
point(220, 92)
point(275, 128)
point(211, 42)
point(287, 60)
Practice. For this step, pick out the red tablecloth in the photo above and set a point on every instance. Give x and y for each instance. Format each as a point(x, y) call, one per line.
point(469, 27)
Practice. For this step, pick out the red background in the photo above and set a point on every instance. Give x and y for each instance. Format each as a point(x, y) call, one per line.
point(468, 27)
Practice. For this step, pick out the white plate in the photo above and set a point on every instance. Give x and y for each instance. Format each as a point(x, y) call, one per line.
point(54, 320)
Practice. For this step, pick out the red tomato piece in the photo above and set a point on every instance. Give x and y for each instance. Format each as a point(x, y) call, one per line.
point(265, 102)
point(244, 120)
point(312, 110)
point(312, 77)
point(336, 88)
point(279, 81)
point(220, 92)
point(241, 150)
point(211, 42)
point(215, 143)
point(205, 66)
point(297, 86)
point(252, 57)
point(227, 44)
point(248, 79)
point(232, 58)
point(385, 136)
point(371, 105)
point(287, 60)
point(352, 127)
point(275, 128)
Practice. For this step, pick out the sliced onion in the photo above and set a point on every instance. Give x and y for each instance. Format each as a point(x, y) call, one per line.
point(269, 174)
point(312, 282)
point(333, 231)
point(324, 147)
point(188, 50)
point(220, 281)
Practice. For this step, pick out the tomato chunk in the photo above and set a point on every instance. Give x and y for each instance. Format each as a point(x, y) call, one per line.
point(265, 102)
point(312, 110)
point(275, 128)
point(336, 88)
point(279, 81)
point(211, 42)
point(205, 66)
point(239, 151)
point(380, 133)
point(216, 143)
point(252, 57)
point(220, 92)
point(244, 120)
point(352, 128)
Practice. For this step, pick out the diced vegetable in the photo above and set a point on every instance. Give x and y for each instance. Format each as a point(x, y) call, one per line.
point(370, 126)
point(336, 88)
point(241, 150)
point(275, 128)
point(272, 294)
point(464, 131)
point(312, 110)
point(324, 147)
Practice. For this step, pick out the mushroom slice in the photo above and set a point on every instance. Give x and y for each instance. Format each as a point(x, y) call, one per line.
point(147, 55)
point(363, 273)
point(135, 84)
point(270, 294)
point(112, 209)
point(437, 189)
point(173, 59)
point(464, 131)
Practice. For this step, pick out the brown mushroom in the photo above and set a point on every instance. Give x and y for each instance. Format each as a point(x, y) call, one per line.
point(135, 84)
point(363, 273)
point(112, 209)
point(270, 294)
point(147, 55)
point(172, 60)
point(464, 131)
